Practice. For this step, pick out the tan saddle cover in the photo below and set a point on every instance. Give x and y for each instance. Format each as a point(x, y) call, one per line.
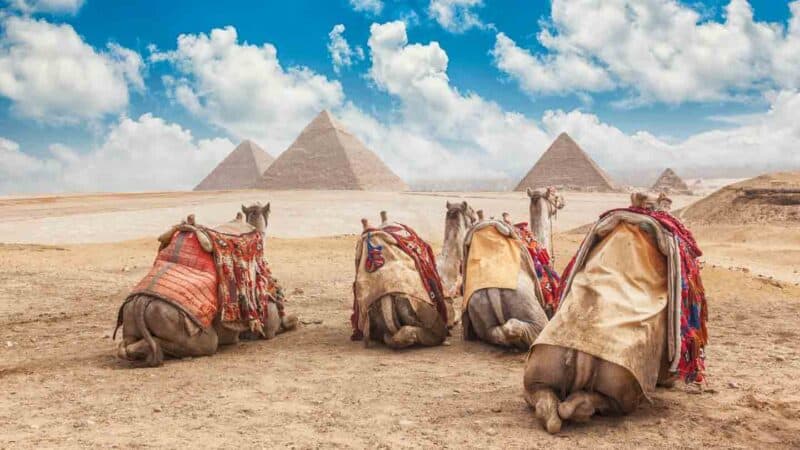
point(398, 274)
point(616, 307)
point(494, 258)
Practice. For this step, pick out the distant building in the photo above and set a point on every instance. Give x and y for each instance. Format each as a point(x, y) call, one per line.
point(670, 183)
point(325, 156)
point(239, 170)
point(565, 165)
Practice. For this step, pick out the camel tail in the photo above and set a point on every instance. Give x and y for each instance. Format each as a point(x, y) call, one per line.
point(496, 303)
point(156, 356)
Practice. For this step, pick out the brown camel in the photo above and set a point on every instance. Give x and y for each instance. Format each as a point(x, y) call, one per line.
point(152, 327)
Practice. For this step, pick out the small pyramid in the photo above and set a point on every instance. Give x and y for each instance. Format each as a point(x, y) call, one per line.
point(239, 170)
point(327, 157)
point(565, 165)
point(670, 183)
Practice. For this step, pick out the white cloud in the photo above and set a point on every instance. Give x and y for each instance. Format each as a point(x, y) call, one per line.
point(144, 154)
point(50, 74)
point(660, 50)
point(456, 16)
point(342, 55)
point(47, 6)
point(373, 7)
point(243, 89)
point(453, 133)
point(559, 73)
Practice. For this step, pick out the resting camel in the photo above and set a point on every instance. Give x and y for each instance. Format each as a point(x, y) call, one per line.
point(398, 294)
point(153, 327)
point(544, 205)
point(458, 219)
point(507, 305)
point(624, 324)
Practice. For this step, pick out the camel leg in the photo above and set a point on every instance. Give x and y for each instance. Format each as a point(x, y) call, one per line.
point(545, 405)
point(132, 346)
point(413, 330)
point(407, 336)
point(581, 406)
point(170, 329)
point(288, 323)
point(200, 345)
point(513, 333)
point(133, 351)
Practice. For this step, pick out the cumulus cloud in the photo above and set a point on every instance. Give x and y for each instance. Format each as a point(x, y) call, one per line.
point(373, 7)
point(244, 89)
point(559, 73)
point(453, 133)
point(456, 16)
point(342, 55)
point(144, 154)
point(47, 6)
point(51, 74)
point(659, 50)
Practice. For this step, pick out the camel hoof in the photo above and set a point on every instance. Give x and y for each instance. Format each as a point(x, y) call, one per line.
point(547, 412)
point(122, 352)
point(289, 322)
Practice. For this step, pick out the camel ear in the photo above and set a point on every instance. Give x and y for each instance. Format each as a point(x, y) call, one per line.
point(266, 208)
point(449, 205)
point(530, 192)
point(244, 209)
point(464, 205)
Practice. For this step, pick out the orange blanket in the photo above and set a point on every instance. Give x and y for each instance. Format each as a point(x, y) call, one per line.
point(185, 275)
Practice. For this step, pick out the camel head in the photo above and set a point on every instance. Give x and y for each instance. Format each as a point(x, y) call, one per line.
point(651, 201)
point(459, 215)
point(554, 200)
point(257, 216)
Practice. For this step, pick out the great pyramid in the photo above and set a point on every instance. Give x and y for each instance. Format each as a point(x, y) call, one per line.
point(239, 170)
point(327, 157)
point(669, 182)
point(565, 165)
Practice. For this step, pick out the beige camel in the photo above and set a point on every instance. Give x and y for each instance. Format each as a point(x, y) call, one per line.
point(501, 291)
point(617, 332)
point(393, 303)
point(512, 315)
point(459, 217)
point(152, 327)
point(544, 206)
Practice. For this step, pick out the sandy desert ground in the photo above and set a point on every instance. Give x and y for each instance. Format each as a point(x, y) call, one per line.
point(67, 263)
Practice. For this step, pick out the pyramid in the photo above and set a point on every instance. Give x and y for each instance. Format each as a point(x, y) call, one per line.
point(565, 165)
point(669, 182)
point(239, 170)
point(327, 157)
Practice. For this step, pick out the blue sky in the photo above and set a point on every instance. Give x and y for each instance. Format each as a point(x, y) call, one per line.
point(438, 88)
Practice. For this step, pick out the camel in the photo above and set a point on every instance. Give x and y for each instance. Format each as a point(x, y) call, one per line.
point(396, 303)
point(544, 206)
point(152, 327)
point(513, 315)
point(458, 219)
point(604, 352)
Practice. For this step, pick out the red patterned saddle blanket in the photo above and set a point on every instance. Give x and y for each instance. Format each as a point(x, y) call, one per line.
point(548, 277)
point(233, 282)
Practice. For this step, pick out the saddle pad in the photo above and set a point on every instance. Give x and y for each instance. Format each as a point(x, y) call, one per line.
point(493, 261)
point(616, 306)
point(184, 275)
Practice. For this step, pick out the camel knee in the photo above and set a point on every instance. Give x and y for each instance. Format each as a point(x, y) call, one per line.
point(289, 322)
point(405, 337)
point(581, 406)
point(545, 405)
